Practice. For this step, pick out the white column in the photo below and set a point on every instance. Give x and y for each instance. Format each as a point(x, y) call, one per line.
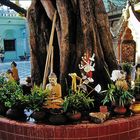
point(134, 25)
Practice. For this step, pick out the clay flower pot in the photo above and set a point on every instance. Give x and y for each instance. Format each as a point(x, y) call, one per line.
point(74, 117)
point(103, 109)
point(120, 110)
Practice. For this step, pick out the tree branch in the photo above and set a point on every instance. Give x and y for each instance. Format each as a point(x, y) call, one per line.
point(13, 6)
point(49, 8)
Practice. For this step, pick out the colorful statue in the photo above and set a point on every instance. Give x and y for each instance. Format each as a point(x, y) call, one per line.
point(54, 100)
point(15, 72)
point(9, 75)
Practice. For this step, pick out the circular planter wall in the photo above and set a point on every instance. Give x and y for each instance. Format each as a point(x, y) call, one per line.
point(117, 129)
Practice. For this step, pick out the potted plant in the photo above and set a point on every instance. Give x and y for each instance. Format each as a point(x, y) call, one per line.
point(15, 101)
point(118, 98)
point(36, 99)
point(118, 93)
point(75, 103)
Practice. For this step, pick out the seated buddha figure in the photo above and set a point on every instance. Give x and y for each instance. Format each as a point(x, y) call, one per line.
point(54, 100)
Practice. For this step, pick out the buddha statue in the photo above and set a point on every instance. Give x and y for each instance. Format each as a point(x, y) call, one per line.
point(54, 100)
point(15, 72)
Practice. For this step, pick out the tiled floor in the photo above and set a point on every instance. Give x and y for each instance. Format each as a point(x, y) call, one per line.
point(24, 69)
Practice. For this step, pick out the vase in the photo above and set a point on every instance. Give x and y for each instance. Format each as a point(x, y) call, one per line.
point(120, 110)
point(103, 109)
point(74, 117)
point(135, 108)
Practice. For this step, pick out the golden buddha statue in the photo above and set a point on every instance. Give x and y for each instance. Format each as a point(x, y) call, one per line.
point(54, 100)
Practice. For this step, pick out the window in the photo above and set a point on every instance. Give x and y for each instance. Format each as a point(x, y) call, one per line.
point(9, 45)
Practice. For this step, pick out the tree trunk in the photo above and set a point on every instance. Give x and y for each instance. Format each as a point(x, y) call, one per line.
point(82, 26)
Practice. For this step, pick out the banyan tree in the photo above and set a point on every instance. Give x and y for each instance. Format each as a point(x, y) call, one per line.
point(81, 27)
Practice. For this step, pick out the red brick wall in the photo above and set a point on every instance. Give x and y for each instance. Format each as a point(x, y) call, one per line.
point(117, 129)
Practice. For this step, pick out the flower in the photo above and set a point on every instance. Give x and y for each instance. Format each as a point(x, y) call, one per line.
point(84, 77)
point(98, 88)
point(90, 80)
point(132, 84)
point(116, 74)
point(92, 58)
point(86, 81)
point(88, 68)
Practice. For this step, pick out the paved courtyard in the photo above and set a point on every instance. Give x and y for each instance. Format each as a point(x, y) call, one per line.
point(24, 69)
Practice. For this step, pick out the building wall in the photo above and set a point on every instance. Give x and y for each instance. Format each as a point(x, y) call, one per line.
point(14, 27)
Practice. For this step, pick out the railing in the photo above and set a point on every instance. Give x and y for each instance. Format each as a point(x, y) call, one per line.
point(8, 12)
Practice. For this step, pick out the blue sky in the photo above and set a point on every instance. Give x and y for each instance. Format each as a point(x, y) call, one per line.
point(24, 3)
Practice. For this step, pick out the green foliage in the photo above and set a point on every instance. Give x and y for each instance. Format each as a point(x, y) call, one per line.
point(3, 95)
point(11, 95)
point(77, 102)
point(117, 96)
point(127, 67)
point(37, 98)
point(14, 94)
point(2, 80)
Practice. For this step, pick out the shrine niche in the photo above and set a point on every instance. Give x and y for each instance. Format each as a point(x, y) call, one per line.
point(126, 46)
point(128, 50)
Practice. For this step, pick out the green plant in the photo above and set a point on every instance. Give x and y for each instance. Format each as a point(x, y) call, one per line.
point(117, 96)
point(3, 95)
point(13, 95)
point(77, 102)
point(37, 98)
point(2, 80)
point(127, 67)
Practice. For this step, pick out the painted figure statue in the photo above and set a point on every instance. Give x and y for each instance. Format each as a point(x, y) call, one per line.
point(54, 99)
point(15, 72)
